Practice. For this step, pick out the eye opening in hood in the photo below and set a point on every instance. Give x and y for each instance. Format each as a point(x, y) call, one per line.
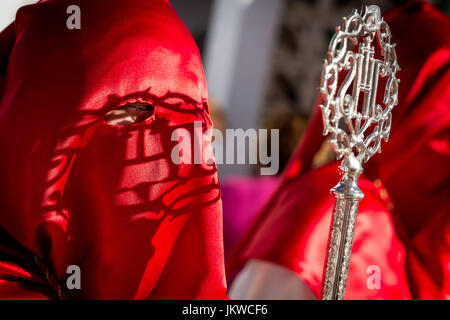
point(129, 114)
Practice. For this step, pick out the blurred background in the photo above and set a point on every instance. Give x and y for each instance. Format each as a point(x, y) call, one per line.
point(263, 62)
point(262, 59)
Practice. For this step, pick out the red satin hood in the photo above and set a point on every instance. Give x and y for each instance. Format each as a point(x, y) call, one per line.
point(76, 190)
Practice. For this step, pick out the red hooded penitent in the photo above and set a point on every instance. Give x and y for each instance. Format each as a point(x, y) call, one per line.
point(75, 190)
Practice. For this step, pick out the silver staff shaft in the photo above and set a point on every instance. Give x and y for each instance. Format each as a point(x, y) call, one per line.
point(340, 241)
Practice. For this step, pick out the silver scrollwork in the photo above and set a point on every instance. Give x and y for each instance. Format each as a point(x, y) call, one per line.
point(356, 127)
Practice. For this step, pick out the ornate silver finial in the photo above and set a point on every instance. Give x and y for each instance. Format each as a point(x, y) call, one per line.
point(355, 123)
point(356, 127)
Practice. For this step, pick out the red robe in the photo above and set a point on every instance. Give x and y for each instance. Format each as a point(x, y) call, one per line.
point(403, 223)
point(78, 191)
